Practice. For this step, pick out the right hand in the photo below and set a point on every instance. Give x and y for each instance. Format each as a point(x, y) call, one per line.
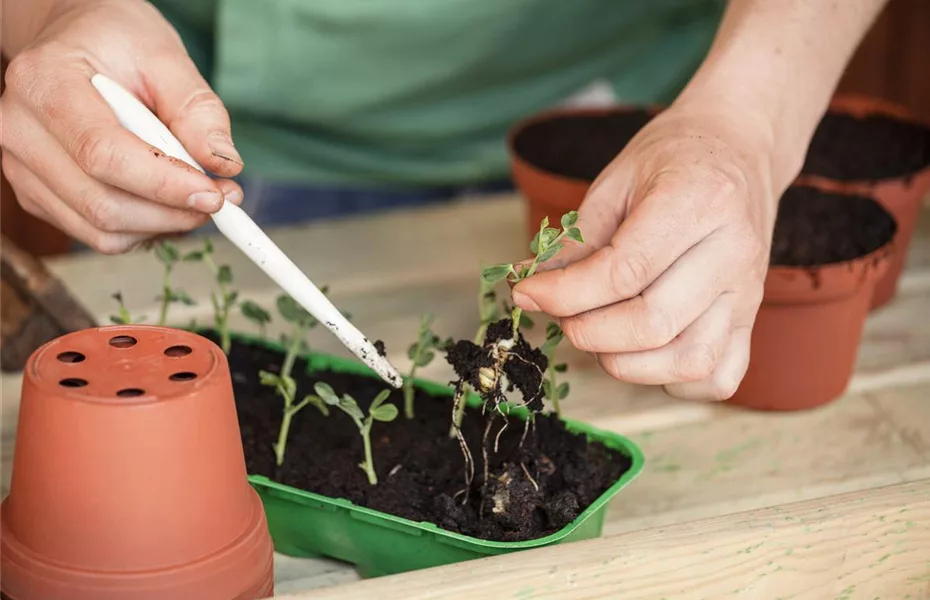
point(66, 155)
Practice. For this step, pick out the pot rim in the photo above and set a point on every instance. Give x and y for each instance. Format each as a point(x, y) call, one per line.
point(551, 113)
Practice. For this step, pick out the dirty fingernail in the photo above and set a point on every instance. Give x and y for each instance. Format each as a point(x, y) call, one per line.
point(205, 201)
point(222, 146)
point(525, 302)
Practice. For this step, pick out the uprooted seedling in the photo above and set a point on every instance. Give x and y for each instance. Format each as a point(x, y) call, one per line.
point(504, 361)
point(378, 411)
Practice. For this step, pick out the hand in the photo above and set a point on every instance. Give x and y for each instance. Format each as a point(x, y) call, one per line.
point(677, 231)
point(69, 160)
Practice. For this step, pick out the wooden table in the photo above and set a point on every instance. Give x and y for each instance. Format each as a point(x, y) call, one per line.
point(832, 503)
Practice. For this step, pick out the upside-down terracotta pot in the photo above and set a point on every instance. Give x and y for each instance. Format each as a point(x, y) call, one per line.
point(808, 329)
point(901, 195)
point(542, 178)
point(129, 479)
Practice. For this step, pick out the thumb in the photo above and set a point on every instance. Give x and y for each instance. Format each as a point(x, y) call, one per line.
point(192, 111)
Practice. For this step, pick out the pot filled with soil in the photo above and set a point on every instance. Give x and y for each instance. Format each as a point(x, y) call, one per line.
point(829, 250)
point(129, 478)
point(556, 155)
point(393, 480)
point(874, 148)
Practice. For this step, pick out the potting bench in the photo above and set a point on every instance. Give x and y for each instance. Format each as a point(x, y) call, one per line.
point(832, 503)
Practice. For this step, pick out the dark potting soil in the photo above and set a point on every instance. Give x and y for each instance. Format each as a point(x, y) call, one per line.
point(578, 146)
point(816, 228)
point(847, 148)
point(420, 469)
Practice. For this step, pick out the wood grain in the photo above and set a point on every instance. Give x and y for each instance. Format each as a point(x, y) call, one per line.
point(862, 545)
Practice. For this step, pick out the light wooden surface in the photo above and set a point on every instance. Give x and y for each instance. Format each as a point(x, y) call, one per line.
point(703, 461)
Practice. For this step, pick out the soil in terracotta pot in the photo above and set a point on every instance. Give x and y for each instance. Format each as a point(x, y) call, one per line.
point(420, 468)
point(817, 228)
point(578, 146)
point(871, 148)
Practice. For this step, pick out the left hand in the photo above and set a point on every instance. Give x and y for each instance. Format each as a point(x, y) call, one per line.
point(677, 231)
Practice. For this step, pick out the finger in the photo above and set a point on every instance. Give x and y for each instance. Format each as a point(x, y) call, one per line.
point(70, 108)
point(105, 207)
point(39, 200)
point(663, 311)
point(726, 377)
point(692, 356)
point(193, 112)
point(662, 227)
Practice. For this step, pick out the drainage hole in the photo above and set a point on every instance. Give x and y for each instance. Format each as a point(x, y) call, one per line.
point(176, 351)
point(130, 393)
point(123, 341)
point(71, 357)
point(72, 382)
point(183, 376)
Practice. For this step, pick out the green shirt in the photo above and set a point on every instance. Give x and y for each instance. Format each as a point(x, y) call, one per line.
point(422, 92)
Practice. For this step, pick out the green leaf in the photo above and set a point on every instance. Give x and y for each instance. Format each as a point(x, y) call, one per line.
point(231, 298)
point(562, 390)
point(195, 256)
point(575, 234)
point(325, 391)
point(255, 313)
point(117, 320)
point(224, 275)
point(560, 368)
point(496, 273)
point(385, 413)
point(526, 322)
point(547, 388)
point(550, 252)
point(315, 401)
point(269, 379)
point(544, 223)
point(569, 219)
point(412, 352)
point(379, 399)
point(350, 407)
point(182, 297)
point(553, 330)
point(534, 245)
point(293, 312)
point(424, 358)
point(167, 253)
point(207, 246)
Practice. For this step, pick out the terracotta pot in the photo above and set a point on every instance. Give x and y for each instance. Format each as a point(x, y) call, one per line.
point(129, 479)
point(549, 194)
point(901, 196)
point(807, 333)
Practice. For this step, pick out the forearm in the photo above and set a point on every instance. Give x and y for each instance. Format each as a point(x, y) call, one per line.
point(24, 19)
point(780, 61)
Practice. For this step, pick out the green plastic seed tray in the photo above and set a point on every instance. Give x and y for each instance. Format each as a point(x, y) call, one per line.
point(304, 524)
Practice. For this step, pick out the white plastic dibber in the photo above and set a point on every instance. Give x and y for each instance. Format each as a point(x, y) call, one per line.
point(242, 231)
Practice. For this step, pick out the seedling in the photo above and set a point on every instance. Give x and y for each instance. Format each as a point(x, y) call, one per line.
point(123, 317)
point(167, 253)
point(378, 411)
point(421, 353)
point(286, 387)
point(547, 242)
point(555, 392)
point(258, 315)
point(301, 322)
point(226, 300)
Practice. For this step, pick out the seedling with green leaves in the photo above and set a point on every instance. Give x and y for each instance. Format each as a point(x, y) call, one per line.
point(286, 387)
point(555, 391)
point(378, 411)
point(226, 300)
point(547, 242)
point(421, 353)
point(123, 317)
point(168, 255)
point(301, 323)
point(257, 315)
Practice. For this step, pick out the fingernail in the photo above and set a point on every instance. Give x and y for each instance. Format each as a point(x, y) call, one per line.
point(233, 196)
point(222, 147)
point(205, 201)
point(525, 302)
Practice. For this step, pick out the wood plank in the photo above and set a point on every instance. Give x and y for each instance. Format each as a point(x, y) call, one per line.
point(862, 545)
